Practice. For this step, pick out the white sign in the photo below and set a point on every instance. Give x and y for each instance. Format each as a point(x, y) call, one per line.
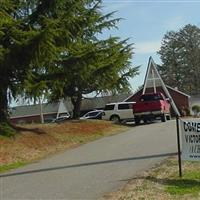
point(190, 139)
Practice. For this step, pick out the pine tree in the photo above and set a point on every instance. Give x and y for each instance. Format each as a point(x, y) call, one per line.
point(180, 54)
point(90, 64)
point(53, 47)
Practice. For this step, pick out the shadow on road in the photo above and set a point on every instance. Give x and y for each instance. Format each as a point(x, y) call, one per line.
point(87, 164)
point(180, 183)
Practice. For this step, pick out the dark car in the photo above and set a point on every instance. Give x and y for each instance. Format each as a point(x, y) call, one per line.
point(96, 114)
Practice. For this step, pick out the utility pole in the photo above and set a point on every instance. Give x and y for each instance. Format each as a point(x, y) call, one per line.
point(41, 111)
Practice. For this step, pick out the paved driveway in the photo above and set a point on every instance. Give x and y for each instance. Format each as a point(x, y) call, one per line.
point(93, 169)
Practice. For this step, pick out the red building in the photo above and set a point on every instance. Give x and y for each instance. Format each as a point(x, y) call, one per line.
point(154, 83)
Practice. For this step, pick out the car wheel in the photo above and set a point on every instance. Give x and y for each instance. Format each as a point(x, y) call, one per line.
point(115, 119)
point(145, 120)
point(163, 118)
point(168, 117)
point(137, 120)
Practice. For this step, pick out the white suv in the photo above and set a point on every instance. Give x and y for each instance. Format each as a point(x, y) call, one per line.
point(116, 112)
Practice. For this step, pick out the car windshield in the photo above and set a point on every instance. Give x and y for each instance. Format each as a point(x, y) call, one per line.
point(151, 97)
point(92, 114)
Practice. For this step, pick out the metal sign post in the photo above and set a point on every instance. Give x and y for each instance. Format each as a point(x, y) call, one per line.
point(179, 147)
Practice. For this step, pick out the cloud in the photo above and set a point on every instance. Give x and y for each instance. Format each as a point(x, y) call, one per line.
point(147, 47)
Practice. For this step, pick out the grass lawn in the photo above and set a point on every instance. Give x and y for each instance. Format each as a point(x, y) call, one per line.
point(37, 141)
point(163, 183)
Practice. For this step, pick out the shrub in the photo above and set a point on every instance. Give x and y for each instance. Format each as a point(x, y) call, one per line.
point(6, 130)
point(196, 110)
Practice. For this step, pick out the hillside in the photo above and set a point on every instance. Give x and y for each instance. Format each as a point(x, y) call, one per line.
point(36, 141)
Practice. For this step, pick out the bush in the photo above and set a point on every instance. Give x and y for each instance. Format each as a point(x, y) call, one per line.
point(196, 110)
point(184, 111)
point(7, 130)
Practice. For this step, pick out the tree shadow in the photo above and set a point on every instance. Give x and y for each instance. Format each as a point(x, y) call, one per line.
point(33, 130)
point(181, 183)
point(173, 185)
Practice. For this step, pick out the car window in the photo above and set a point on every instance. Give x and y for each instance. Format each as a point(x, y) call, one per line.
point(151, 97)
point(63, 114)
point(123, 106)
point(86, 115)
point(60, 119)
point(93, 114)
point(109, 107)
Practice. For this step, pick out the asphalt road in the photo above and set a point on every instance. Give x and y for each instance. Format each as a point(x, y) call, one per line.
point(93, 169)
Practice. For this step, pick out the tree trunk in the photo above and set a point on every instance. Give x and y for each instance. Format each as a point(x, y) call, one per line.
point(3, 105)
point(76, 101)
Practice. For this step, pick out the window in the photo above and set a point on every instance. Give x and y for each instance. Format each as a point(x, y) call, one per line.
point(93, 114)
point(123, 106)
point(109, 107)
point(151, 97)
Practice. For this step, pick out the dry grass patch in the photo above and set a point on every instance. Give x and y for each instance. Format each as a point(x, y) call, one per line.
point(163, 183)
point(37, 141)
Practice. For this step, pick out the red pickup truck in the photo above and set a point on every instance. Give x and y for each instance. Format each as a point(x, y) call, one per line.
point(151, 106)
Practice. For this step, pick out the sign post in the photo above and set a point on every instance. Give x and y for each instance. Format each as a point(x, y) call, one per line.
point(179, 147)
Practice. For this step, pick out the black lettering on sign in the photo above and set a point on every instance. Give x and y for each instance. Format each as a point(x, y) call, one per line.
point(194, 149)
point(191, 126)
point(192, 138)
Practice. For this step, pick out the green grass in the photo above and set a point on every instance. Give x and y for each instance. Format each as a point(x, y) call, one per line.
point(4, 168)
point(189, 184)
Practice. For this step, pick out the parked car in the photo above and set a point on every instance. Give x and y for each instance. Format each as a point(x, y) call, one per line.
point(96, 114)
point(61, 118)
point(151, 106)
point(117, 112)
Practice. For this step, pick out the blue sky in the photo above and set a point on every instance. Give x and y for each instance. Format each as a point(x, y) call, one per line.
point(146, 21)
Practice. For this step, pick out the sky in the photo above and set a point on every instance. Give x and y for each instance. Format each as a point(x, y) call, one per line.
point(146, 22)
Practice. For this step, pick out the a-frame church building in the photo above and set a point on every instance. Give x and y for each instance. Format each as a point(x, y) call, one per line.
point(154, 83)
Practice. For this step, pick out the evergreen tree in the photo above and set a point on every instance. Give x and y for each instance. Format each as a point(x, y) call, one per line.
point(17, 47)
point(90, 64)
point(33, 35)
point(53, 47)
point(180, 55)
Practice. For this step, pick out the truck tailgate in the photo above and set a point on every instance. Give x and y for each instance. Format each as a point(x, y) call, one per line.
point(146, 106)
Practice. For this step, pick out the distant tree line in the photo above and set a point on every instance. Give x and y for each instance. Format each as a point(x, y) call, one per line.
point(52, 48)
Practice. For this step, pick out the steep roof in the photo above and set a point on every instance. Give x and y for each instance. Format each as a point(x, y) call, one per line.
point(153, 80)
point(100, 102)
point(31, 110)
point(176, 90)
point(87, 104)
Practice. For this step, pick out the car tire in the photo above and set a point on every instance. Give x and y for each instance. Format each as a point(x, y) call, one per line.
point(145, 120)
point(163, 118)
point(137, 120)
point(115, 119)
point(168, 117)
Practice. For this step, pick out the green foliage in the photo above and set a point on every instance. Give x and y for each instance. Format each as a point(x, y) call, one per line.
point(52, 48)
point(190, 184)
point(196, 109)
point(90, 64)
point(6, 130)
point(180, 55)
